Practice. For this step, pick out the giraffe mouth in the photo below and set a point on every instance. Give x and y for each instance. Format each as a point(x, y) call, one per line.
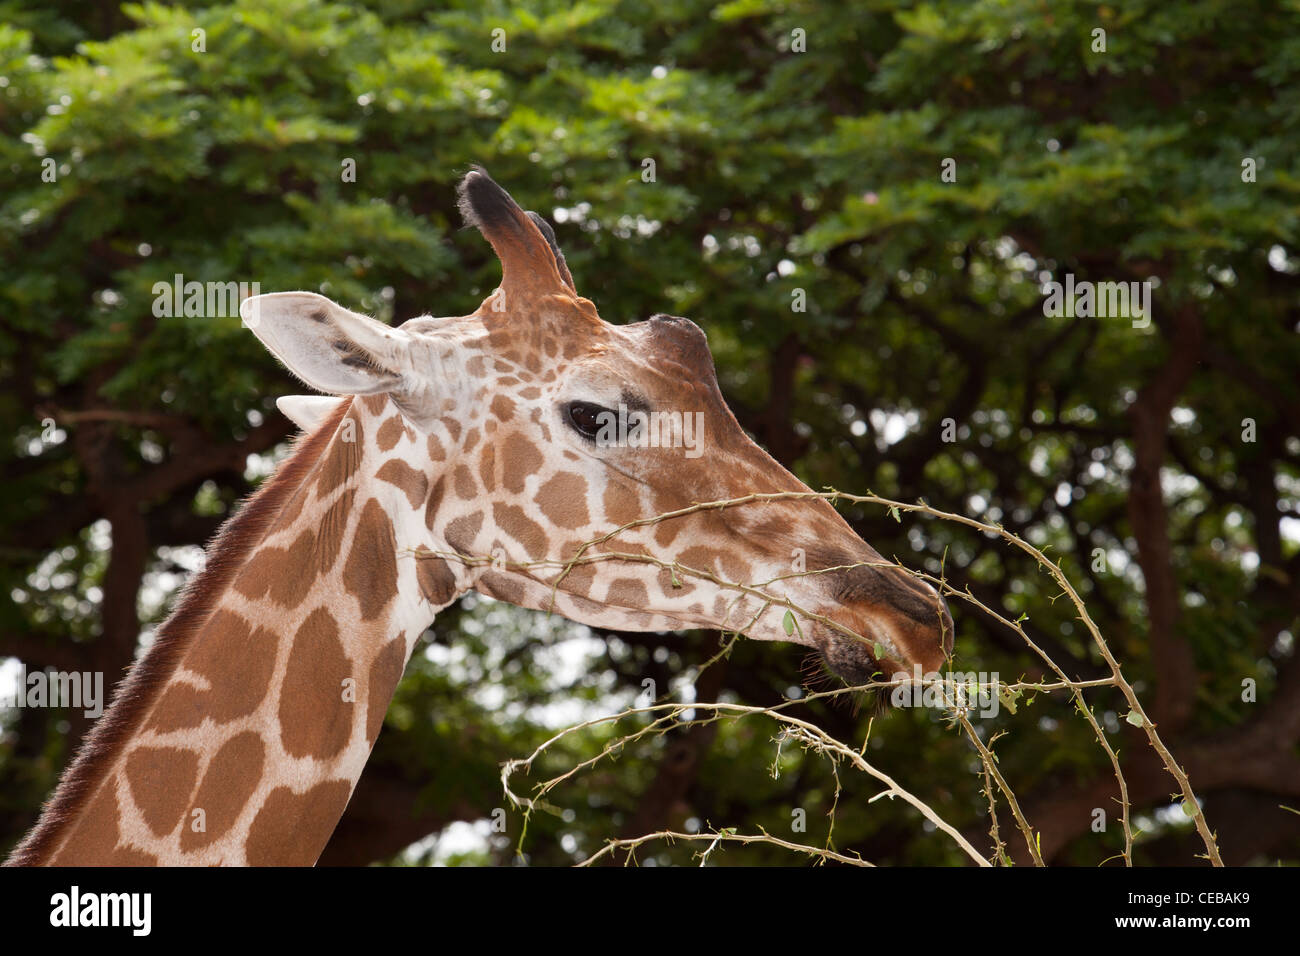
point(853, 661)
point(848, 660)
point(903, 624)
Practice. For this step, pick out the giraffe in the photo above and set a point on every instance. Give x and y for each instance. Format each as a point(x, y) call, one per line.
point(239, 735)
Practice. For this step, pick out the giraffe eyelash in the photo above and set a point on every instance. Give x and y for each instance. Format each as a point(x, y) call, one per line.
point(585, 418)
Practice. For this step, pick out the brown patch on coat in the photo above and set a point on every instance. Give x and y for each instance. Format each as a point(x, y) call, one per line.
point(291, 829)
point(683, 585)
point(333, 526)
point(236, 659)
point(622, 506)
point(283, 574)
point(437, 582)
point(701, 558)
point(293, 510)
point(389, 433)
point(463, 483)
point(435, 501)
point(385, 672)
point(371, 572)
point(462, 531)
point(563, 499)
point(582, 574)
point(95, 842)
point(502, 408)
point(487, 467)
point(502, 587)
point(413, 483)
point(230, 780)
point(521, 459)
point(315, 720)
point(68, 815)
point(627, 593)
point(161, 781)
point(343, 458)
point(515, 522)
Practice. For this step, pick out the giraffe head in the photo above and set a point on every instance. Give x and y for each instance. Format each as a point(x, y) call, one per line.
point(530, 428)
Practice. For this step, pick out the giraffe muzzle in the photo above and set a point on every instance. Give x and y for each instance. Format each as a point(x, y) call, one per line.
point(902, 622)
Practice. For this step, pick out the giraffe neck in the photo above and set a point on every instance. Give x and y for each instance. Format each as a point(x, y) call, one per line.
point(239, 737)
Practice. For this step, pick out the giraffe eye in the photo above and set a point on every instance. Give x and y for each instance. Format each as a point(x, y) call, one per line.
point(586, 419)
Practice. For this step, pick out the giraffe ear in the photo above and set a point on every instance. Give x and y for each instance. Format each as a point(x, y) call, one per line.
point(328, 347)
point(307, 411)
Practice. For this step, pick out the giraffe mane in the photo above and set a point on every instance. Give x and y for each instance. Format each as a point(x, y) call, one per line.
point(228, 552)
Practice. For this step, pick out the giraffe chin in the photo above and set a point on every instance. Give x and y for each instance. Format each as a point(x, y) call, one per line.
point(850, 662)
point(853, 662)
point(854, 673)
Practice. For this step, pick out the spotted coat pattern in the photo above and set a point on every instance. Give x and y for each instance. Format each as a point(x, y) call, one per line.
point(240, 736)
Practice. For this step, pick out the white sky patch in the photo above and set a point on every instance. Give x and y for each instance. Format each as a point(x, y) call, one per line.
point(638, 225)
point(892, 427)
point(1280, 261)
point(1038, 460)
point(568, 654)
point(462, 836)
point(1290, 529)
point(1117, 559)
point(1172, 815)
point(1024, 263)
point(1175, 483)
point(568, 661)
point(258, 466)
point(158, 587)
point(101, 535)
point(747, 244)
point(576, 213)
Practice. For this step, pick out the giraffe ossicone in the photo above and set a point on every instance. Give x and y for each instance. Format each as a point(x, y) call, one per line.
point(448, 455)
point(308, 412)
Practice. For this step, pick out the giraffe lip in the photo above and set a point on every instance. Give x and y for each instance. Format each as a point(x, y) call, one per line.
point(854, 675)
point(853, 661)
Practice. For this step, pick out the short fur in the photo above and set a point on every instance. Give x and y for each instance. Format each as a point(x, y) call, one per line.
point(228, 552)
